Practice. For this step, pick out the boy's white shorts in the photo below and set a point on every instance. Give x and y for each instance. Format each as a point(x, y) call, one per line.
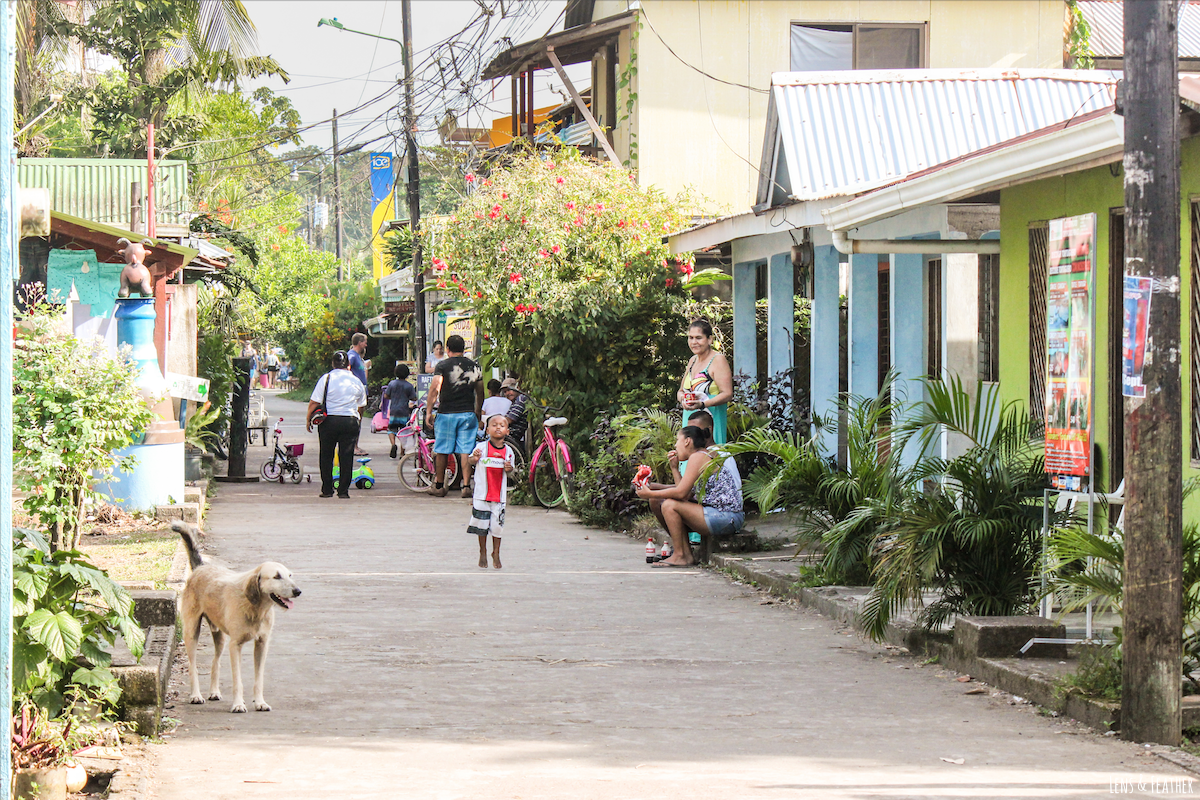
point(486, 518)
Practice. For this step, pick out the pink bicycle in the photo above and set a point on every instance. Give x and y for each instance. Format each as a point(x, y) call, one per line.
point(550, 470)
point(416, 469)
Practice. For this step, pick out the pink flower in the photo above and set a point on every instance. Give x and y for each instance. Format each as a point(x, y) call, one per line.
point(560, 180)
point(570, 205)
point(504, 195)
point(542, 253)
point(514, 277)
point(670, 282)
point(621, 224)
point(599, 208)
point(555, 249)
point(687, 269)
point(578, 221)
point(523, 220)
point(470, 178)
point(487, 182)
point(504, 247)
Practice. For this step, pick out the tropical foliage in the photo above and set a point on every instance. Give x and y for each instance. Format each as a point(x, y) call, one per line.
point(66, 615)
point(562, 261)
point(74, 407)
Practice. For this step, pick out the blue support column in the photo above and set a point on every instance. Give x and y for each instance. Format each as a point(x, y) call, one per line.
point(781, 315)
point(745, 350)
point(864, 325)
point(908, 332)
point(9, 268)
point(824, 333)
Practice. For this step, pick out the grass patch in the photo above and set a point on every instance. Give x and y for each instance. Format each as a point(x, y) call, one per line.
point(142, 554)
point(296, 395)
point(1098, 674)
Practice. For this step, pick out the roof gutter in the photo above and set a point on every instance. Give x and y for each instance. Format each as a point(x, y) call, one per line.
point(844, 244)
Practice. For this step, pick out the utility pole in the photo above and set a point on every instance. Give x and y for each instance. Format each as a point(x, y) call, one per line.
point(10, 268)
point(1151, 670)
point(337, 199)
point(414, 192)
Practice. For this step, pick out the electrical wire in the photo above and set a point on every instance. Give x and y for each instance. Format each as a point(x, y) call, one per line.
point(694, 67)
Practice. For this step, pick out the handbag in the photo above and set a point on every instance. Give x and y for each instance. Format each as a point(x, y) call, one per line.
point(320, 413)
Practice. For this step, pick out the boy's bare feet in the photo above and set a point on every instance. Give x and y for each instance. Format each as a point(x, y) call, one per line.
point(496, 560)
point(483, 560)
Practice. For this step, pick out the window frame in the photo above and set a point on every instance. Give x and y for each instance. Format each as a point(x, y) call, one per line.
point(921, 27)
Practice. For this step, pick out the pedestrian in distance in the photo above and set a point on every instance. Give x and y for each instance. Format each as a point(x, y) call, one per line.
point(457, 387)
point(272, 369)
point(436, 354)
point(495, 461)
point(401, 398)
point(340, 399)
point(496, 402)
point(517, 412)
point(358, 367)
point(708, 381)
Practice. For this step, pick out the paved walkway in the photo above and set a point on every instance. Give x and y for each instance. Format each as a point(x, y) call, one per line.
point(405, 671)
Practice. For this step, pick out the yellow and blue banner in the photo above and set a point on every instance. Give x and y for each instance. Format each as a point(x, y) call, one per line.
point(383, 207)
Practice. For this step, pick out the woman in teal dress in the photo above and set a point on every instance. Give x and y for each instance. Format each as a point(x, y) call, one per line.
point(708, 380)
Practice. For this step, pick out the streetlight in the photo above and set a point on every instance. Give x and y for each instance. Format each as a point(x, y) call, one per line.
point(414, 173)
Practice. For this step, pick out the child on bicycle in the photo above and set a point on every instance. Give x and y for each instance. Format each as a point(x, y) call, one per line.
point(401, 398)
point(495, 457)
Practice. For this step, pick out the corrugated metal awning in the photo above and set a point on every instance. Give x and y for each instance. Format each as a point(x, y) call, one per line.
point(1107, 21)
point(833, 134)
point(98, 189)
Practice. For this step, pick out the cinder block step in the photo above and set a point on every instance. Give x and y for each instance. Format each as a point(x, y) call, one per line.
point(152, 608)
point(1003, 637)
point(188, 512)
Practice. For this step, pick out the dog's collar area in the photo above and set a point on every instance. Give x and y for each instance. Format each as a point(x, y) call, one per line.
point(283, 601)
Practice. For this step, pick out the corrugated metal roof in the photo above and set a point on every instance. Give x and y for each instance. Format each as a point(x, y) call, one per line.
point(98, 189)
point(1107, 21)
point(839, 133)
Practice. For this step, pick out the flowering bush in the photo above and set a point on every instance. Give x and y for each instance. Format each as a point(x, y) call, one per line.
point(563, 262)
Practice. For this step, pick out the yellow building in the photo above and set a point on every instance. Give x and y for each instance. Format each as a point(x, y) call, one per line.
point(692, 111)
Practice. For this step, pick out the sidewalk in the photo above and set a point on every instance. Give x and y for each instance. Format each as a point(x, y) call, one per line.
point(405, 671)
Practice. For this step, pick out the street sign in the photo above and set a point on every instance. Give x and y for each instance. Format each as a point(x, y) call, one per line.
point(187, 388)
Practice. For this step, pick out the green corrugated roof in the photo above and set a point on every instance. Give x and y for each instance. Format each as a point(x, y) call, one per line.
point(188, 253)
point(98, 189)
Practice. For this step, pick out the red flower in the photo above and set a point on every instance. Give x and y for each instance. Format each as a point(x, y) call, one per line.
point(670, 282)
point(570, 205)
point(470, 178)
point(441, 284)
point(515, 277)
point(578, 221)
point(523, 220)
point(542, 253)
point(487, 182)
point(555, 249)
point(520, 308)
point(687, 269)
point(560, 180)
point(479, 295)
point(504, 195)
point(621, 224)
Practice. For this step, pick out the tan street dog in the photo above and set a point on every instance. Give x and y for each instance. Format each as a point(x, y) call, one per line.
point(239, 606)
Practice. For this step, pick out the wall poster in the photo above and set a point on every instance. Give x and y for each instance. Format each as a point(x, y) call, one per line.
point(1070, 293)
point(1137, 326)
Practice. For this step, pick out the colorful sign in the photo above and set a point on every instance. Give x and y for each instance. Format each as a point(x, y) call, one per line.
point(186, 387)
point(1137, 327)
point(383, 207)
point(1069, 348)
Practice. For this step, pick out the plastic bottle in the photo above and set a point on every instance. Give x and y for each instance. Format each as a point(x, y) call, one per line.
point(651, 557)
point(667, 549)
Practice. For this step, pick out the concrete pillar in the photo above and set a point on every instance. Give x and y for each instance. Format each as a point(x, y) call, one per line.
point(864, 325)
point(960, 342)
point(824, 333)
point(745, 354)
point(780, 315)
point(907, 341)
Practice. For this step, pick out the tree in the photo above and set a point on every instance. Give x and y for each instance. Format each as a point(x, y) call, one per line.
point(562, 261)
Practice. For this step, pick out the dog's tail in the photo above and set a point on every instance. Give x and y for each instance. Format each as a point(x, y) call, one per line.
point(188, 534)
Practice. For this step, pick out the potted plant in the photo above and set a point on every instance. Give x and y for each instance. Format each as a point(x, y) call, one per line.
point(39, 753)
point(197, 436)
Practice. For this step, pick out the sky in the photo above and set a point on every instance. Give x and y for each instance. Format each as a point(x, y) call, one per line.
point(332, 68)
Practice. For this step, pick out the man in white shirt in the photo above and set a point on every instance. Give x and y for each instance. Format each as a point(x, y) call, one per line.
point(343, 397)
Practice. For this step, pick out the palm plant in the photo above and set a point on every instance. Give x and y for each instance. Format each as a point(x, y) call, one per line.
point(649, 436)
point(974, 533)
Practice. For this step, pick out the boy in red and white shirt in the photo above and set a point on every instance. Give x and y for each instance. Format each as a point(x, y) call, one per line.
point(495, 459)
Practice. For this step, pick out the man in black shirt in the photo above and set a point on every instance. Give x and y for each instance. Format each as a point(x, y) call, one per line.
point(458, 384)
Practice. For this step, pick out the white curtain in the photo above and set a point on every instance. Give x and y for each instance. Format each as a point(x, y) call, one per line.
point(816, 49)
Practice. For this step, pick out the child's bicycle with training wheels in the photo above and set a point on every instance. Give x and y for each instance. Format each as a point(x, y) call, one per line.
point(416, 469)
point(284, 461)
point(550, 470)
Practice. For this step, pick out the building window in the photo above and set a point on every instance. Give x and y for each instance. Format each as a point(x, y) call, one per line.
point(1038, 272)
point(989, 317)
point(816, 47)
point(933, 319)
point(1194, 315)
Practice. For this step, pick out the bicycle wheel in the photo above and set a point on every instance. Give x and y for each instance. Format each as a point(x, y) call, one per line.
point(271, 470)
point(295, 473)
point(547, 488)
point(566, 471)
point(413, 474)
point(452, 477)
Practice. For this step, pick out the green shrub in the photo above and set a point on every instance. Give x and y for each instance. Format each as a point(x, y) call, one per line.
point(65, 611)
point(73, 407)
point(602, 493)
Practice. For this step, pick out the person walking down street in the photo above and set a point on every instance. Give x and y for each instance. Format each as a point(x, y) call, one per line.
point(253, 356)
point(458, 385)
point(517, 413)
point(496, 402)
point(358, 367)
point(496, 461)
point(272, 369)
point(708, 380)
point(401, 399)
point(342, 398)
point(721, 512)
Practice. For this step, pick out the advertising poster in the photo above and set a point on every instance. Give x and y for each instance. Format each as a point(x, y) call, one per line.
point(1069, 349)
point(423, 382)
point(1137, 326)
point(383, 207)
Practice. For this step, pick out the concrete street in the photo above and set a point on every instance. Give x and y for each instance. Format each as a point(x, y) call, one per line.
point(406, 671)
